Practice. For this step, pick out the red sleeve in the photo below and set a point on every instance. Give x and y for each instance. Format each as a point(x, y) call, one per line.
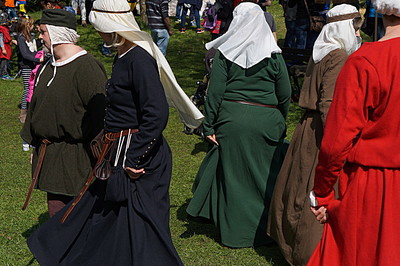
point(357, 88)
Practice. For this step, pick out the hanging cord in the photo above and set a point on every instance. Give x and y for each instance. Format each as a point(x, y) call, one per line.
point(128, 142)
point(119, 148)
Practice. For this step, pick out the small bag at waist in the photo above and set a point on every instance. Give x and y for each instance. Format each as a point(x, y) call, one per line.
point(252, 103)
point(97, 144)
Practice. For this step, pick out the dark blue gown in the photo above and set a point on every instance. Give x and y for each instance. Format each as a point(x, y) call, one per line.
point(122, 221)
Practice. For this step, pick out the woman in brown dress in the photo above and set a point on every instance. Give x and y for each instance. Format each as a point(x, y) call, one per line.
point(290, 222)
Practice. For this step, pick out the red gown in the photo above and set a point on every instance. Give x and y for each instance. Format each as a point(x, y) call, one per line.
point(361, 147)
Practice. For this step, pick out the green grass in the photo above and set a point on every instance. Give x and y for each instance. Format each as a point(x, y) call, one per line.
point(197, 244)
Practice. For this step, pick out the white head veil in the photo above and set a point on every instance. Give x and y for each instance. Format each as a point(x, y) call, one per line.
point(59, 35)
point(338, 34)
point(249, 39)
point(387, 7)
point(109, 16)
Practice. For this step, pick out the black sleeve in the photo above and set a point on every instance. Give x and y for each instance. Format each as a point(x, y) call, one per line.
point(152, 108)
point(24, 50)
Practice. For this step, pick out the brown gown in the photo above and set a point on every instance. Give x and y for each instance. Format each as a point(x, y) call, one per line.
point(290, 221)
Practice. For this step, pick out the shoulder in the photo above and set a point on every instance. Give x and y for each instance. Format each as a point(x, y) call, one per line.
point(89, 65)
point(21, 37)
point(335, 56)
point(140, 57)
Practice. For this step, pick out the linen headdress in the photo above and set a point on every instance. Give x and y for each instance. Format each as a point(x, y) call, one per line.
point(387, 7)
point(110, 16)
point(61, 26)
point(338, 33)
point(249, 39)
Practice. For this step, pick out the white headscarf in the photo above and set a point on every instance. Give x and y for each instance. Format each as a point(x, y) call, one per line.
point(59, 35)
point(109, 16)
point(337, 35)
point(249, 39)
point(387, 7)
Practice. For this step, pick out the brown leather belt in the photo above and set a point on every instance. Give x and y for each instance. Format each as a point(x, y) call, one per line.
point(251, 103)
point(108, 139)
point(35, 176)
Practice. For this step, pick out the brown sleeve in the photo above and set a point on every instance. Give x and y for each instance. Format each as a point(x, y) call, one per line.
point(333, 65)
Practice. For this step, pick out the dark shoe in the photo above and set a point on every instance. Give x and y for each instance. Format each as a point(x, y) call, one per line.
point(199, 31)
point(183, 30)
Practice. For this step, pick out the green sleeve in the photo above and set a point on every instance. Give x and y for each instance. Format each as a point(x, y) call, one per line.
point(91, 81)
point(282, 87)
point(215, 93)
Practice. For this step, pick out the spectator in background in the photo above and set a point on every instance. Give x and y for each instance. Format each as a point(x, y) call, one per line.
point(270, 19)
point(369, 23)
point(50, 4)
point(290, 23)
point(10, 9)
point(5, 45)
point(224, 11)
point(27, 47)
point(194, 6)
point(82, 7)
point(157, 14)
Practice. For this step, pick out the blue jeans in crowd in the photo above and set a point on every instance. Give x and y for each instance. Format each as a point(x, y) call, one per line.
point(290, 38)
point(10, 11)
point(302, 28)
point(178, 11)
point(193, 10)
point(161, 38)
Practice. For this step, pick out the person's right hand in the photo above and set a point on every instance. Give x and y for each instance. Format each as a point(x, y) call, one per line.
point(4, 51)
point(212, 139)
point(321, 214)
point(134, 173)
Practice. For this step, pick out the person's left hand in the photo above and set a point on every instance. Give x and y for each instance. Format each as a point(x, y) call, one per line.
point(321, 214)
point(134, 173)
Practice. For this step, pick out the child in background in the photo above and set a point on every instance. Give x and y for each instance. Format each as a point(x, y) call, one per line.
point(10, 8)
point(21, 6)
point(40, 54)
point(5, 45)
point(27, 49)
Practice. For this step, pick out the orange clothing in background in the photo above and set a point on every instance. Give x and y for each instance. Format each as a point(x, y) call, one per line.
point(10, 3)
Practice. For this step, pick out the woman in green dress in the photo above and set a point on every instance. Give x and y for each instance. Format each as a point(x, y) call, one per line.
point(245, 111)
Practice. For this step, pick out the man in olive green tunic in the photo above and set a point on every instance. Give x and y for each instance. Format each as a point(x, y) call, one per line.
point(67, 109)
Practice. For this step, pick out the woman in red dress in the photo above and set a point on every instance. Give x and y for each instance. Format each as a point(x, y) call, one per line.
point(360, 148)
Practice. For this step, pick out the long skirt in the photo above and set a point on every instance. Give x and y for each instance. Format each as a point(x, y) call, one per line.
point(363, 227)
point(235, 182)
point(117, 222)
point(290, 221)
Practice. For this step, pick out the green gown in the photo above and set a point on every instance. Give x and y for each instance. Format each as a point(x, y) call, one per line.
point(236, 179)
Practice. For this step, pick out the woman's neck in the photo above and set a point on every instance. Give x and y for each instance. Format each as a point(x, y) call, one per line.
point(392, 27)
point(125, 47)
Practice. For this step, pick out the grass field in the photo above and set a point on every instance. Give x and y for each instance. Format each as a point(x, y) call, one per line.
point(197, 244)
